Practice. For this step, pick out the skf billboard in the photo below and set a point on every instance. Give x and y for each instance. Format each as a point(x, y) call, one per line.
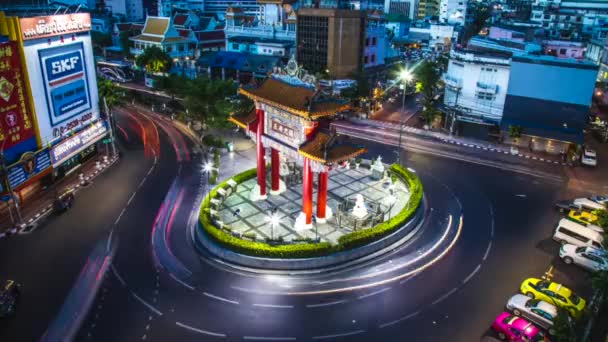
point(17, 133)
point(61, 69)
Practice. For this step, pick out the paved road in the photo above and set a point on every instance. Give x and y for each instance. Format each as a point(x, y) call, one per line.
point(159, 289)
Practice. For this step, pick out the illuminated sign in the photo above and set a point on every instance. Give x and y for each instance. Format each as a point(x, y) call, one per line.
point(53, 25)
point(74, 144)
point(30, 165)
point(65, 82)
point(283, 129)
point(15, 121)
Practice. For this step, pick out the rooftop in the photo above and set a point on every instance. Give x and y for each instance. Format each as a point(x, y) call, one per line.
point(551, 60)
point(322, 148)
point(156, 25)
point(298, 100)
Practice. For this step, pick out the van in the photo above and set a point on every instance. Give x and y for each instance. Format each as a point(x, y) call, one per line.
point(576, 234)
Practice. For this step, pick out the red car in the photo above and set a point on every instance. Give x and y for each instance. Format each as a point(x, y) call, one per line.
point(517, 329)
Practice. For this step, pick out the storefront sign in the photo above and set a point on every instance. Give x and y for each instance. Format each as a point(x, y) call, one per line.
point(42, 27)
point(30, 165)
point(15, 120)
point(283, 129)
point(74, 144)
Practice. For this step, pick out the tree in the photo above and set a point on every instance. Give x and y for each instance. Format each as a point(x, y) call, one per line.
point(125, 43)
point(110, 92)
point(599, 281)
point(174, 85)
point(155, 60)
point(563, 327)
point(428, 76)
point(101, 39)
point(480, 14)
point(208, 100)
point(602, 218)
point(515, 131)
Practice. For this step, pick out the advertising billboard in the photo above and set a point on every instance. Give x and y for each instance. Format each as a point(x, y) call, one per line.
point(65, 83)
point(76, 143)
point(30, 165)
point(16, 126)
point(52, 25)
point(62, 76)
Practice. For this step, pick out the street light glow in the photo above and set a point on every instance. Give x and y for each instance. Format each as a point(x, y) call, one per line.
point(207, 167)
point(405, 75)
point(274, 219)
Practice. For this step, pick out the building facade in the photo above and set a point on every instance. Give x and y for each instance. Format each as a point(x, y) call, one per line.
point(132, 10)
point(452, 12)
point(160, 32)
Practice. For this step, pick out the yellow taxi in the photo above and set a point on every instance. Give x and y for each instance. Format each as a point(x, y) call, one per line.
point(554, 293)
point(582, 217)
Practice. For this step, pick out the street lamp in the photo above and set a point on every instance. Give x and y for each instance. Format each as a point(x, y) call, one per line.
point(405, 76)
point(208, 167)
point(273, 219)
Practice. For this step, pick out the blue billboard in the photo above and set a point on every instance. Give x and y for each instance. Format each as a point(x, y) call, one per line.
point(65, 82)
point(30, 165)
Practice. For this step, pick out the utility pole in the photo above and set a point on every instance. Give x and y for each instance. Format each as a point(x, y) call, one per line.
point(401, 123)
point(110, 119)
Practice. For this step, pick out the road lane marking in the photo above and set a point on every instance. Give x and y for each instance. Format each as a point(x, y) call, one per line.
point(131, 198)
point(181, 282)
point(264, 338)
point(326, 304)
point(403, 281)
point(200, 331)
point(404, 318)
point(521, 195)
point(485, 256)
point(273, 306)
point(119, 216)
point(122, 281)
point(220, 298)
point(149, 306)
point(326, 337)
point(472, 274)
point(109, 240)
point(374, 293)
point(445, 296)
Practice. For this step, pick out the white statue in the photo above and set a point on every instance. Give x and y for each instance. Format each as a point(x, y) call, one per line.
point(378, 165)
point(359, 210)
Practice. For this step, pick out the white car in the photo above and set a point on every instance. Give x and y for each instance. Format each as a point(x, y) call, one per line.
point(591, 258)
point(536, 311)
point(589, 157)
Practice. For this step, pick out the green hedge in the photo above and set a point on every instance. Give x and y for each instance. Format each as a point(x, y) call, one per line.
point(306, 250)
point(213, 141)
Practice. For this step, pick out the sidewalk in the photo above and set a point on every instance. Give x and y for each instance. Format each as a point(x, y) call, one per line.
point(41, 203)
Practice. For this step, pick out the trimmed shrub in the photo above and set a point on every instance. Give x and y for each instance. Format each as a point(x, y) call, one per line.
point(305, 248)
point(213, 141)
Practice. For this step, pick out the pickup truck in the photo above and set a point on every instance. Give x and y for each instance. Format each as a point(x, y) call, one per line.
point(586, 203)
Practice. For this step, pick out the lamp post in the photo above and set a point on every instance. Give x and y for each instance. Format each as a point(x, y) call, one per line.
point(405, 76)
point(274, 219)
point(208, 167)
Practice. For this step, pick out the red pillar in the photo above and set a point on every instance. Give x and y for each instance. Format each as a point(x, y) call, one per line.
point(307, 191)
point(322, 195)
point(261, 153)
point(275, 169)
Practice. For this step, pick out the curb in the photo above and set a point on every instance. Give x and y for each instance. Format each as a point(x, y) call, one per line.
point(32, 223)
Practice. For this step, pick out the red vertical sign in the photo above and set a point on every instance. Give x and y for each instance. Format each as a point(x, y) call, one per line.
point(15, 120)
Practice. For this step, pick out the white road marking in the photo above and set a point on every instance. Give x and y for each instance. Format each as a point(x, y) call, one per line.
point(472, 274)
point(119, 216)
point(326, 337)
point(109, 240)
point(200, 331)
point(220, 298)
point(445, 296)
point(403, 281)
point(263, 338)
point(181, 282)
point(143, 180)
point(374, 293)
point(122, 281)
point(326, 304)
point(404, 318)
point(521, 195)
point(153, 309)
point(131, 198)
point(485, 256)
point(273, 306)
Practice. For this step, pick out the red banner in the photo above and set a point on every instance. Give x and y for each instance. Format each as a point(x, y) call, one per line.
point(15, 120)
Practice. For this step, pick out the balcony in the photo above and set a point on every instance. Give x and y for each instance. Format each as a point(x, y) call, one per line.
point(487, 88)
point(260, 31)
point(452, 82)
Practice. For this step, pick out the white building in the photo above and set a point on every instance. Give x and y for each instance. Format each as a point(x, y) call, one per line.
point(452, 11)
point(133, 10)
point(476, 87)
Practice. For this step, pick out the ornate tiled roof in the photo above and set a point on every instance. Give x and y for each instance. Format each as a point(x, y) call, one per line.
point(156, 26)
point(298, 100)
point(147, 38)
point(243, 119)
point(180, 19)
point(323, 149)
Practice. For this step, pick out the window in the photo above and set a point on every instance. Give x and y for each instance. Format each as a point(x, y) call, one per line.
point(374, 41)
point(366, 41)
point(366, 60)
point(562, 51)
point(235, 46)
point(373, 58)
point(573, 235)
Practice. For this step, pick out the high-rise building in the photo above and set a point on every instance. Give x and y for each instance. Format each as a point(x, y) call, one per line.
point(452, 11)
point(340, 41)
point(407, 8)
point(133, 10)
point(428, 8)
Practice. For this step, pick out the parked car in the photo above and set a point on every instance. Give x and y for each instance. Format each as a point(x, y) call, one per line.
point(577, 234)
point(9, 294)
point(554, 293)
point(582, 217)
point(589, 157)
point(591, 258)
point(586, 203)
point(513, 328)
point(536, 311)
